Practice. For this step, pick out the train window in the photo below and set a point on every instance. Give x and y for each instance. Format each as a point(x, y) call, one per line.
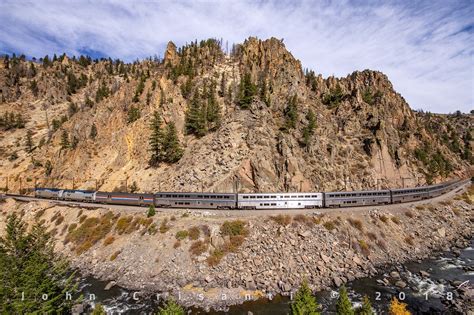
point(246, 197)
point(141, 197)
point(109, 196)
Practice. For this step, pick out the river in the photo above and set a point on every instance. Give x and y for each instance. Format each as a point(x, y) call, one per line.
point(429, 294)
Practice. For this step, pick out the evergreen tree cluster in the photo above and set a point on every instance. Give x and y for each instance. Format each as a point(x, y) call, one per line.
point(74, 84)
point(371, 98)
point(311, 81)
point(203, 113)
point(334, 97)
point(102, 92)
point(28, 264)
point(12, 121)
point(304, 303)
point(164, 143)
point(139, 89)
point(134, 114)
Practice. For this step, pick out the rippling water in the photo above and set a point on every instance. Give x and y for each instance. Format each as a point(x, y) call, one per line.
point(423, 295)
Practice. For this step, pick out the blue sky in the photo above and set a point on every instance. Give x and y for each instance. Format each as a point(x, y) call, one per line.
point(425, 48)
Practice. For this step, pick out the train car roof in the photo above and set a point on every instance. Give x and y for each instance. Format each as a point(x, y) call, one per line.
point(280, 193)
point(357, 191)
point(192, 193)
point(46, 188)
point(85, 191)
point(122, 193)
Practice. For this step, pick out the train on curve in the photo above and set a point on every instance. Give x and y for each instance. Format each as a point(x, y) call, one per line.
point(253, 200)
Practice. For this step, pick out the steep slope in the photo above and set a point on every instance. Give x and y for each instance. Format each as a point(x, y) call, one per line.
point(260, 123)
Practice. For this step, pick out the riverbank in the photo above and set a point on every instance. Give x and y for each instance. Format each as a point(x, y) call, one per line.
point(188, 255)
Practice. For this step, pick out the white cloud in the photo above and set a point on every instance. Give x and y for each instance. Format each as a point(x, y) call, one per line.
point(419, 46)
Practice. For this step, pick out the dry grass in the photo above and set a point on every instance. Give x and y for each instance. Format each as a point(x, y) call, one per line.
point(372, 236)
point(420, 207)
point(114, 255)
point(356, 224)
point(446, 202)
point(205, 230)
point(173, 218)
point(59, 220)
point(194, 233)
point(177, 244)
point(364, 247)
point(79, 213)
point(409, 214)
point(109, 240)
point(215, 258)
point(164, 227)
point(72, 227)
point(90, 232)
point(304, 219)
point(281, 219)
point(198, 247)
point(381, 244)
point(152, 229)
point(396, 220)
point(330, 225)
point(431, 208)
point(39, 214)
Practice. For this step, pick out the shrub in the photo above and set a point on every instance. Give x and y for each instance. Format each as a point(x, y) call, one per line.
point(151, 211)
point(82, 218)
point(356, 223)
point(395, 220)
point(194, 233)
point(39, 214)
point(197, 248)
point(215, 257)
point(90, 232)
point(420, 207)
point(123, 224)
point(181, 235)
point(205, 230)
point(72, 227)
point(382, 245)
point(114, 255)
point(79, 213)
point(409, 214)
point(457, 212)
point(164, 227)
point(177, 244)
point(152, 229)
point(329, 225)
point(372, 236)
point(281, 219)
point(59, 220)
point(109, 240)
point(173, 218)
point(364, 247)
point(409, 240)
point(233, 228)
point(384, 218)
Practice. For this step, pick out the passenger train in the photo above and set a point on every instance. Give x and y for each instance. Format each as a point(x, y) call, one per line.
point(255, 200)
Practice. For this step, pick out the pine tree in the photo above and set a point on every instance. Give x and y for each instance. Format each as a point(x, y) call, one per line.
point(398, 308)
point(29, 141)
point(133, 114)
point(171, 308)
point(304, 302)
point(162, 98)
point(195, 120)
point(65, 140)
point(366, 308)
point(344, 306)
point(173, 150)
point(151, 211)
point(34, 88)
point(223, 85)
point(247, 91)
point(29, 264)
point(213, 111)
point(308, 130)
point(93, 133)
point(156, 140)
point(99, 310)
point(291, 113)
point(48, 168)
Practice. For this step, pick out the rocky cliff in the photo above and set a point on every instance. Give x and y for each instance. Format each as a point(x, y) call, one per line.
point(83, 123)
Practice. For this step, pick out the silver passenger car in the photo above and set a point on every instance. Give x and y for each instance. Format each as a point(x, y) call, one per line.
point(356, 198)
point(409, 194)
point(280, 201)
point(195, 200)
